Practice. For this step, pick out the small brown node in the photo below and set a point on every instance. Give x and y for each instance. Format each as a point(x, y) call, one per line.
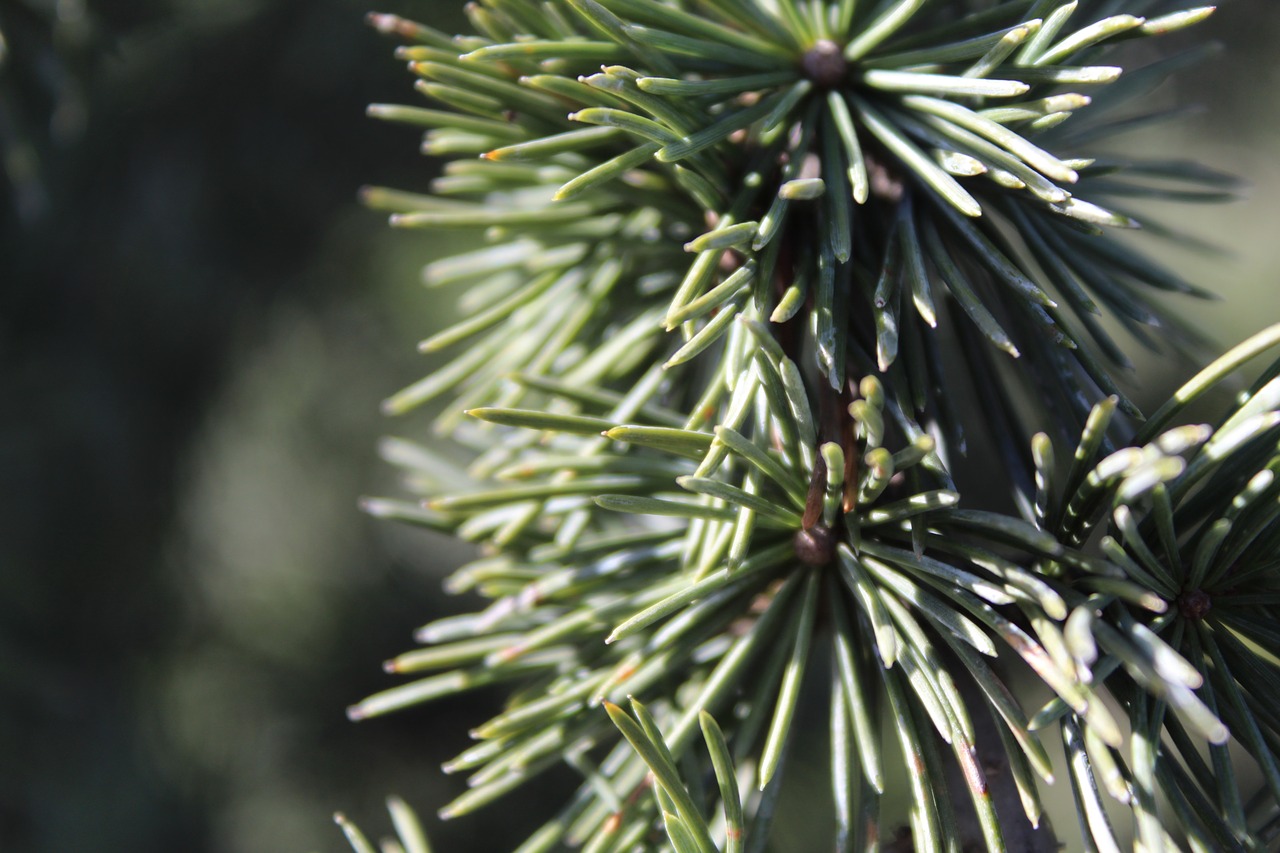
point(1194, 604)
point(816, 546)
point(824, 64)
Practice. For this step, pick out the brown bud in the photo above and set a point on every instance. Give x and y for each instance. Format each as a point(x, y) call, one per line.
point(816, 546)
point(824, 64)
point(1195, 604)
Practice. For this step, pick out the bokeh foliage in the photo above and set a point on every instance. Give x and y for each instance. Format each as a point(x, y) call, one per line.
point(183, 232)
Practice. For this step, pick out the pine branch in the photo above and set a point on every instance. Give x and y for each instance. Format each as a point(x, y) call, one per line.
point(737, 255)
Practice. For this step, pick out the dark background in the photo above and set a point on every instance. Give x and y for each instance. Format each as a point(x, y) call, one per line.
point(196, 325)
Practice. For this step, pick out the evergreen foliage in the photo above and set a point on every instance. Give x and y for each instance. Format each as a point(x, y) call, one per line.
point(739, 257)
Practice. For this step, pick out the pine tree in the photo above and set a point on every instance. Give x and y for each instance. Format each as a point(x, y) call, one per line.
point(751, 272)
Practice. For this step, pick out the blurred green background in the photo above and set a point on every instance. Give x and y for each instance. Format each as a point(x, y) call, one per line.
point(197, 323)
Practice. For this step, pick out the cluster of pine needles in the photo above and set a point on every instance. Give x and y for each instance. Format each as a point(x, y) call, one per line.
point(742, 276)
